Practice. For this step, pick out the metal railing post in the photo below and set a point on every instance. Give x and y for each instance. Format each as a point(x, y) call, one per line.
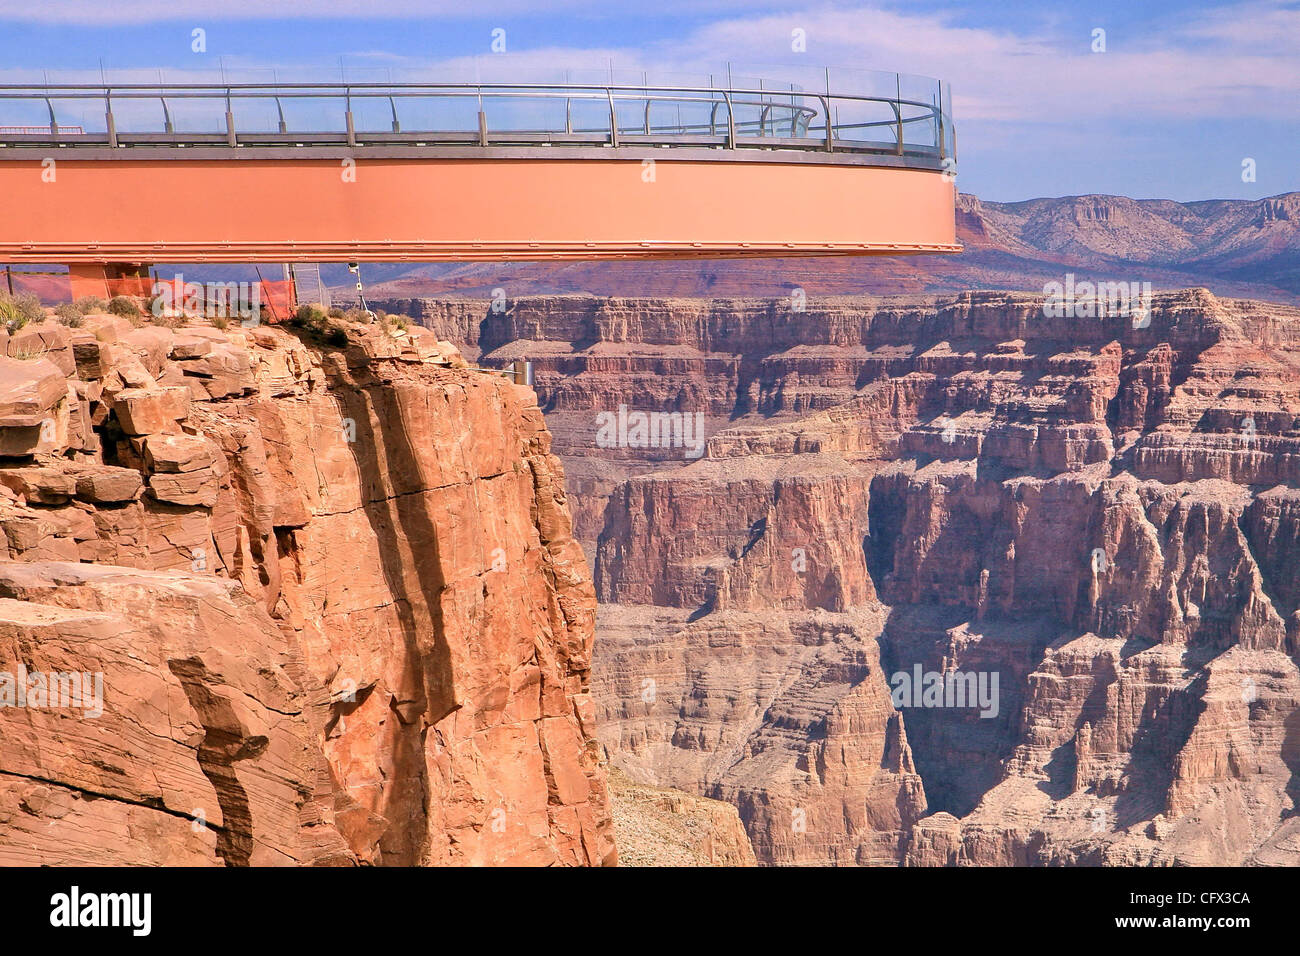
point(230, 122)
point(613, 118)
point(347, 116)
point(898, 112)
point(830, 129)
point(109, 123)
point(943, 145)
point(731, 120)
point(521, 372)
point(482, 116)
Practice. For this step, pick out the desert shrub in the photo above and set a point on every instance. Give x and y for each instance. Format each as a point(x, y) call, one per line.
point(30, 307)
point(28, 351)
point(220, 321)
point(69, 315)
point(9, 314)
point(337, 313)
point(17, 310)
point(172, 320)
point(90, 303)
point(312, 318)
point(124, 306)
point(309, 315)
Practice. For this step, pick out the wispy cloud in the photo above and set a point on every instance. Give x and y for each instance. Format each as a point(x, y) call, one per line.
point(96, 12)
point(1239, 61)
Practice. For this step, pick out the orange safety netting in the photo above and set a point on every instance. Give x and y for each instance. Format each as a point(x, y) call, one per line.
point(48, 287)
point(134, 286)
point(39, 130)
point(279, 297)
point(275, 298)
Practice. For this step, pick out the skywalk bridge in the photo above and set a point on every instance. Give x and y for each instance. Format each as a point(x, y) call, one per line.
point(110, 178)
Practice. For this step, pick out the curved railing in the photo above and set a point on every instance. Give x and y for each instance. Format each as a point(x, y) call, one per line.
point(476, 115)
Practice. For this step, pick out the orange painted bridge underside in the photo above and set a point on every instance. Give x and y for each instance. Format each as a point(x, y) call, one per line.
point(310, 209)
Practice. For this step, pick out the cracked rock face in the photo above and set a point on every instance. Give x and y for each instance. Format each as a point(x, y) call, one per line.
point(1101, 513)
point(203, 750)
point(332, 593)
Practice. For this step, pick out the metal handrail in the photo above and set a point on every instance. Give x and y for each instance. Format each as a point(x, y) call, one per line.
point(807, 113)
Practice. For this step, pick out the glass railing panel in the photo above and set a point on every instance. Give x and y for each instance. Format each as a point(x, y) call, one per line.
point(84, 111)
point(29, 114)
point(139, 114)
point(536, 113)
point(255, 114)
point(445, 111)
point(321, 113)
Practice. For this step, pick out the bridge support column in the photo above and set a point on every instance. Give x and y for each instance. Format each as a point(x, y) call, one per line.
point(92, 278)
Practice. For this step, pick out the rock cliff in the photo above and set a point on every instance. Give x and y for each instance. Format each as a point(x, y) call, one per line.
point(1093, 519)
point(328, 584)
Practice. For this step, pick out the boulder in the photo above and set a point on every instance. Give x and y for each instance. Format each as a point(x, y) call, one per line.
point(143, 411)
point(106, 484)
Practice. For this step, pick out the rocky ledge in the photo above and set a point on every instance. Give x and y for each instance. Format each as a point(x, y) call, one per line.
point(320, 597)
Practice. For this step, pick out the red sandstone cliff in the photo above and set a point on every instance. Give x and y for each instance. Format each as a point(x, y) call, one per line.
point(332, 591)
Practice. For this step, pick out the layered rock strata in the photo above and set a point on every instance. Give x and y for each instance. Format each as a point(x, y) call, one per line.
point(1100, 513)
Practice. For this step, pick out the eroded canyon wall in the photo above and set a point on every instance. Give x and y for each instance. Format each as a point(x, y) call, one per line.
point(1100, 513)
point(331, 589)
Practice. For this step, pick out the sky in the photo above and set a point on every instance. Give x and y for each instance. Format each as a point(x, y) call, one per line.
point(1168, 103)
